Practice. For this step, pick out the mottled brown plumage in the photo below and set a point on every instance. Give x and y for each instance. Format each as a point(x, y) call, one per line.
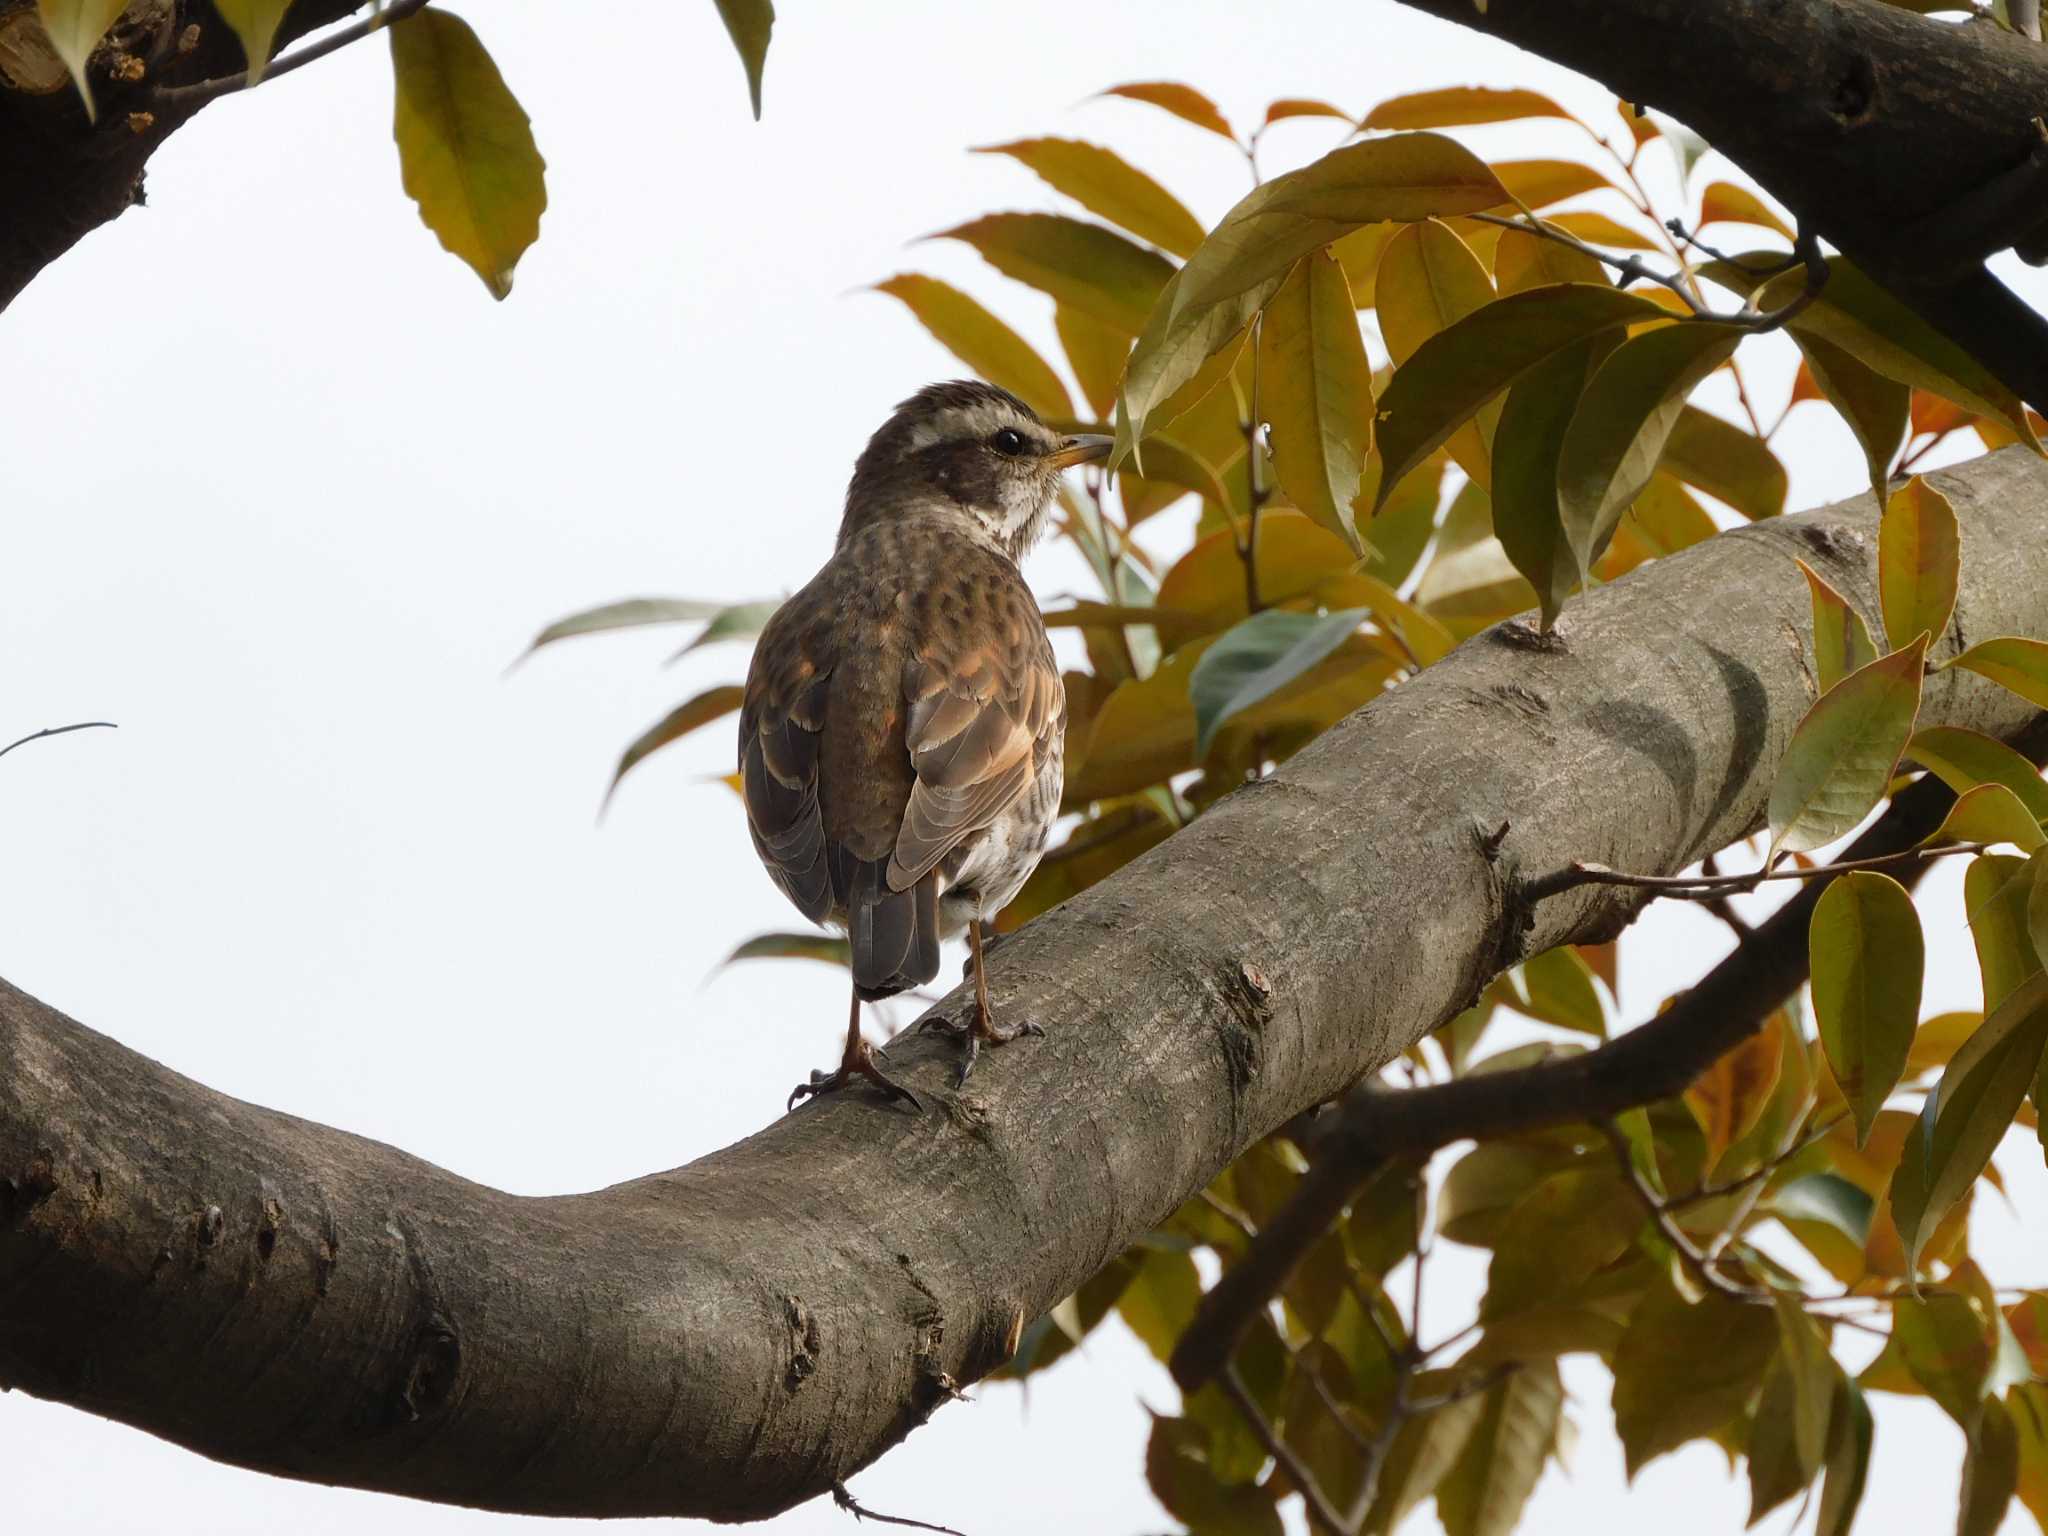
point(900, 742)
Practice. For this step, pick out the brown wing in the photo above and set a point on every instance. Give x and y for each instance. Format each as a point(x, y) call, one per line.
point(985, 704)
point(781, 718)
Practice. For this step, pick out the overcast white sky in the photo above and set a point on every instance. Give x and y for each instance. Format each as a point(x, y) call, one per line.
point(285, 491)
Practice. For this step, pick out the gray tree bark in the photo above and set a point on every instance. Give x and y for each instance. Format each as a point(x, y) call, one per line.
point(731, 1338)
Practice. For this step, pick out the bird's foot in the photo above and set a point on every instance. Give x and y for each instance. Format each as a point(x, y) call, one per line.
point(980, 1027)
point(991, 941)
point(859, 1064)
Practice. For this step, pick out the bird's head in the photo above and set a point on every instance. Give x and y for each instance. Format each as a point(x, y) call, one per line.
point(971, 448)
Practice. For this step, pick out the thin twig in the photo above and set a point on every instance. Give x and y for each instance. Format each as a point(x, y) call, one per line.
point(201, 92)
point(1699, 887)
point(1707, 1192)
point(1630, 267)
point(1699, 1263)
point(846, 1501)
point(1320, 1509)
point(1719, 905)
point(59, 730)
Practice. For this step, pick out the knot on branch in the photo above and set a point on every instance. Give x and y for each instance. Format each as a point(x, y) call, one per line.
point(434, 1364)
point(803, 1342)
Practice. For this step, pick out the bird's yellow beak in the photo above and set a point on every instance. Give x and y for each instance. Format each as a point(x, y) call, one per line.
point(1081, 448)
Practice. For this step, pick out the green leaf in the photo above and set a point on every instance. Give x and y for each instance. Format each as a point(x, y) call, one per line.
point(254, 23)
point(632, 613)
point(2012, 662)
point(1998, 896)
point(1256, 659)
point(1840, 642)
point(1990, 813)
point(738, 621)
point(1918, 555)
point(1106, 184)
point(1526, 443)
point(75, 28)
point(1503, 1457)
point(465, 148)
point(1557, 987)
point(1776, 1472)
point(1875, 407)
point(1969, 1111)
point(791, 946)
point(1813, 1372)
point(1624, 419)
point(1868, 958)
point(1842, 755)
point(1991, 1471)
point(1316, 392)
point(1849, 1433)
point(1947, 1346)
point(1160, 1300)
point(1425, 1450)
point(1723, 460)
point(1827, 1198)
point(1718, 1348)
point(1183, 101)
point(1429, 280)
point(1085, 266)
point(711, 704)
point(1242, 263)
point(1177, 1468)
point(1401, 531)
point(1456, 371)
point(748, 23)
point(1460, 106)
point(981, 341)
point(1557, 1235)
point(1096, 352)
point(1962, 759)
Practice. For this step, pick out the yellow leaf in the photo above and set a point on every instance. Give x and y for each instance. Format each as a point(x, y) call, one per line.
point(1183, 101)
point(1539, 183)
point(1428, 281)
point(1726, 203)
point(1316, 392)
point(1841, 644)
point(465, 146)
point(1918, 553)
point(254, 22)
point(980, 340)
point(1096, 270)
point(1730, 1095)
point(1460, 106)
point(1104, 183)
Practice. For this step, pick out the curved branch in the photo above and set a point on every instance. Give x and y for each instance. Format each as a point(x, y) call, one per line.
point(736, 1336)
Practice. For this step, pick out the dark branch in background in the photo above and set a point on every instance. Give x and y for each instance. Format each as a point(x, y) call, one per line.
point(1873, 124)
point(200, 92)
point(59, 730)
point(1653, 1061)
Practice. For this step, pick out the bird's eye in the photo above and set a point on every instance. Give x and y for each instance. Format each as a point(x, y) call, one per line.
point(1009, 441)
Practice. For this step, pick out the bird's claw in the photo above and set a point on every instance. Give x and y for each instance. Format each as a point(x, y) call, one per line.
point(977, 1029)
point(822, 1083)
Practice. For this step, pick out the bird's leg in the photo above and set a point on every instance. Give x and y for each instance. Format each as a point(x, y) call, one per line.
point(858, 1061)
point(984, 1026)
point(991, 941)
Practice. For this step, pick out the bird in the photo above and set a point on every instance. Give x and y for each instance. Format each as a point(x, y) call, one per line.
point(902, 729)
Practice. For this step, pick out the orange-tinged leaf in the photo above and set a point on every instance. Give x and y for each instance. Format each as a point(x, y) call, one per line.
point(711, 704)
point(980, 340)
point(1873, 406)
point(1962, 759)
point(254, 23)
point(1598, 229)
point(1249, 253)
point(1093, 269)
point(1969, 1111)
point(1730, 1095)
point(2012, 662)
point(1106, 184)
point(465, 148)
point(1867, 959)
point(1640, 126)
point(1298, 561)
point(1302, 106)
point(1841, 644)
point(1539, 183)
point(1183, 101)
point(1096, 353)
point(1727, 462)
point(1624, 419)
point(1455, 372)
point(1989, 813)
point(1935, 416)
point(1724, 202)
point(1841, 757)
point(748, 23)
point(74, 28)
point(1429, 280)
point(1918, 558)
point(1460, 106)
point(1316, 392)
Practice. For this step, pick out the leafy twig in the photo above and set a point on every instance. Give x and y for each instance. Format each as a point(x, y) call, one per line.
point(1320, 1509)
point(1700, 1263)
point(1632, 268)
point(201, 92)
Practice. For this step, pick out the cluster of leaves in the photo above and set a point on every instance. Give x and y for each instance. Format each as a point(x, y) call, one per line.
point(466, 151)
point(1404, 416)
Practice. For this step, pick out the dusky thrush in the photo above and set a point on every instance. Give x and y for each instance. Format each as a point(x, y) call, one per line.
point(901, 738)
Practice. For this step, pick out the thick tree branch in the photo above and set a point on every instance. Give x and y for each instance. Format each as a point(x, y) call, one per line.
point(1873, 124)
point(736, 1336)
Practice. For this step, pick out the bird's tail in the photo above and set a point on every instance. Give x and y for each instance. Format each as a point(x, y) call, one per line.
point(894, 934)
